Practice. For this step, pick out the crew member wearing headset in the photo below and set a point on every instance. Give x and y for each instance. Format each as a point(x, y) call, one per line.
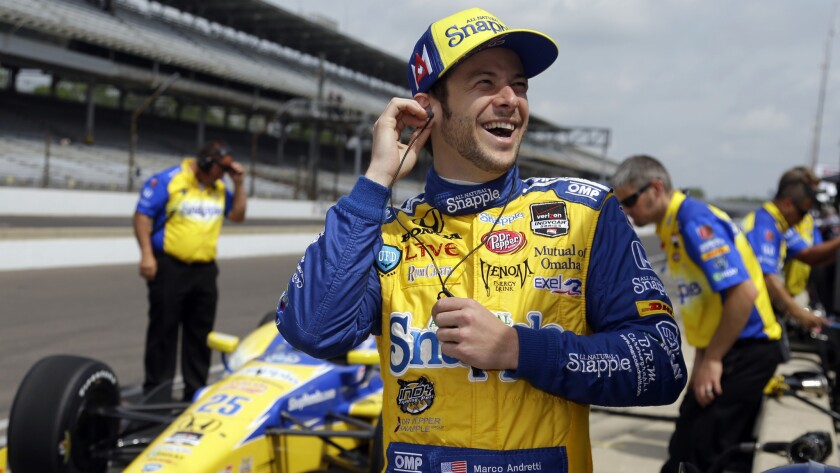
point(177, 224)
point(502, 307)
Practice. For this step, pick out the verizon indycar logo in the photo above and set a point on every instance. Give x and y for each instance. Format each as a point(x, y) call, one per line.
point(549, 219)
point(503, 242)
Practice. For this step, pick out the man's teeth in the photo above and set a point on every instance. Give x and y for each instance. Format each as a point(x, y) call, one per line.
point(501, 125)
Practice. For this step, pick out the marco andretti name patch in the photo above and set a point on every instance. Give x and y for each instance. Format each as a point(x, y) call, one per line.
point(549, 219)
point(416, 396)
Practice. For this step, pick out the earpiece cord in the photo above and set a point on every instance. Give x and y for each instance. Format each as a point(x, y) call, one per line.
point(405, 155)
point(391, 202)
point(443, 281)
point(483, 239)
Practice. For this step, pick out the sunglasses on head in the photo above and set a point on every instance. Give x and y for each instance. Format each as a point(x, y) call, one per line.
point(630, 200)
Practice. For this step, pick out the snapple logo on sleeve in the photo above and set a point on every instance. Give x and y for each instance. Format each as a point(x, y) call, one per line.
point(599, 364)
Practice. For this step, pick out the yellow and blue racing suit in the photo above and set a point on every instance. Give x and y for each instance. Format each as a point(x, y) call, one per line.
point(796, 272)
point(707, 254)
point(186, 216)
point(561, 265)
point(772, 238)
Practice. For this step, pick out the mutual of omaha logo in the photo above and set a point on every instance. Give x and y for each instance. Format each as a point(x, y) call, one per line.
point(504, 242)
point(388, 258)
point(417, 396)
point(549, 219)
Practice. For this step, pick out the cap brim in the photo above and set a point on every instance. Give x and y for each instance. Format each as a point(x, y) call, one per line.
point(536, 50)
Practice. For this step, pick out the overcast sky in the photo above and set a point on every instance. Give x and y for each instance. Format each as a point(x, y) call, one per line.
point(723, 92)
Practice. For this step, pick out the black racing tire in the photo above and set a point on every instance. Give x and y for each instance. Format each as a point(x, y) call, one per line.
point(268, 317)
point(52, 427)
point(377, 459)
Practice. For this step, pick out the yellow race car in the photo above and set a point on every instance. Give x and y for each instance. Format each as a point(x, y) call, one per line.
point(276, 410)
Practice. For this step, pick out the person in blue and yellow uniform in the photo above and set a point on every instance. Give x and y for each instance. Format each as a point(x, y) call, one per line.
point(502, 307)
point(177, 223)
point(770, 230)
point(723, 304)
point(797, 268)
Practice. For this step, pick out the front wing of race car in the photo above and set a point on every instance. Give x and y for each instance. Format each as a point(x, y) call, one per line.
point(276, 410)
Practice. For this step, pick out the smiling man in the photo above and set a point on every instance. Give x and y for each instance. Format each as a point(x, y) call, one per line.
point(503, 307)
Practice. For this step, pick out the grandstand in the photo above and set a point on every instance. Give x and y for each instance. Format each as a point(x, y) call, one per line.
point(294, 97)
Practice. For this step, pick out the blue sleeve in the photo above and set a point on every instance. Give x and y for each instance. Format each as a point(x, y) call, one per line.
point(794, 242)
point(153, 197)
point(228, 201)
point(333, 300)
point(634, 355)
point(766, 243)
point(710, 243)
point(817, 236)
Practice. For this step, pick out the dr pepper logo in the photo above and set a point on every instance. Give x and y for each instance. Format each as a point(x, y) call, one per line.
point(503, 242)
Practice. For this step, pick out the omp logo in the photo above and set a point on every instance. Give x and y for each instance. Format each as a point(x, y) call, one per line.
point(408, 462)
point(640, 257)
point(584, 190)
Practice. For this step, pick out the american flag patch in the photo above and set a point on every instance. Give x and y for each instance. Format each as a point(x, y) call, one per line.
point(453, 467)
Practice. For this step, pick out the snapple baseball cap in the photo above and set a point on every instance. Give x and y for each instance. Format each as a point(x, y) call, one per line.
point(448, 41)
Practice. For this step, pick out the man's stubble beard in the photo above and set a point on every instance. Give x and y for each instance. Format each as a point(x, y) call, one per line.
point(458, 132)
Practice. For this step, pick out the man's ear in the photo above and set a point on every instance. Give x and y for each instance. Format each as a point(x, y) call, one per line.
point(423, 99)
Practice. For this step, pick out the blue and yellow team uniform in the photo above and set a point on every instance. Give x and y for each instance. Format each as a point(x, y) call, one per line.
point(707, 254)
point(796, 272)
point(186, 216)
point(772, 238)
point(562, 266)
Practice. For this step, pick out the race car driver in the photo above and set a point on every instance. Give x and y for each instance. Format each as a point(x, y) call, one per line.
point(503, 307)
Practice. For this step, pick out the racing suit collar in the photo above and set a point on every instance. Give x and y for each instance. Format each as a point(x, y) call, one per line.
point(456, 199)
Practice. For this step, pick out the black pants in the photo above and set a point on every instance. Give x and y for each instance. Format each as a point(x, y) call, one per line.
point(182, 297)
point(704, 433)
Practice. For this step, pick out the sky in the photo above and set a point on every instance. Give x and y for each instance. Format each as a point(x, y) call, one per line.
point(724, 92)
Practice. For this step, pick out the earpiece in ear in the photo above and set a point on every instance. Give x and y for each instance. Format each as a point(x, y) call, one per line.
point(430, 113)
